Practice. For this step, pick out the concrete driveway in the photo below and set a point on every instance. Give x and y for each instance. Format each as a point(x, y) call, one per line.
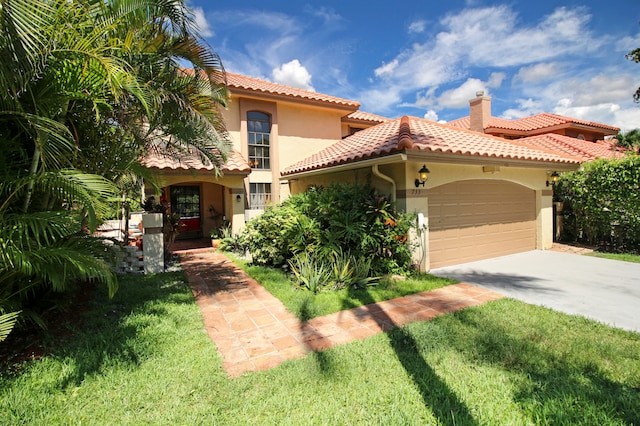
point(602, 289)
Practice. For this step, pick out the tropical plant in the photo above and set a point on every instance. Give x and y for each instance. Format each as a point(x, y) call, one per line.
point(88, 87)
point(309, 272)
point(629, 139)
point(341, 218)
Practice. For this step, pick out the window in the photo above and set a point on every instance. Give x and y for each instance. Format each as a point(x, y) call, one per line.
point(259, 129)
point(185, 200)
point(260, 195)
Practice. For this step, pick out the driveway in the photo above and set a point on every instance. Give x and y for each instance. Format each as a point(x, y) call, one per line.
point(602, 289)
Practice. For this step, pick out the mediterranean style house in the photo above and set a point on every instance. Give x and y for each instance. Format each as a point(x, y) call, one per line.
point(481, 186)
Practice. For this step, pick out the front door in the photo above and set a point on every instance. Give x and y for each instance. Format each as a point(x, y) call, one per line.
point(185, 200)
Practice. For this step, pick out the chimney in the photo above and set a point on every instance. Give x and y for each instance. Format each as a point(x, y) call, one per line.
point(479, 112)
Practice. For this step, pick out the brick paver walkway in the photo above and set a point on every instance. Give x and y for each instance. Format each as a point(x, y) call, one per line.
point(253, 331)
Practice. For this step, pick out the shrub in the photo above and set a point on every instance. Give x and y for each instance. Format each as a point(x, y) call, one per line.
point(342, 218)
point(602, 203)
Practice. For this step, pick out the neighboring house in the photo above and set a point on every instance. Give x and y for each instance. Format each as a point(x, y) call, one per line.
point(487, 193)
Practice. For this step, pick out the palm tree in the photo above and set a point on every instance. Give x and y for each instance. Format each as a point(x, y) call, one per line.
point(82, 81)
point(629, 139)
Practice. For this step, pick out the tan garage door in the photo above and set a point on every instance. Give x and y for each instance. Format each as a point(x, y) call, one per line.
point(480, 219)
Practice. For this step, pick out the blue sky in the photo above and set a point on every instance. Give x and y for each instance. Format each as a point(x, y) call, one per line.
point(428, 58)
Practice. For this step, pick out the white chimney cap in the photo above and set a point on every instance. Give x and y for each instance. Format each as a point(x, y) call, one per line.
point(480, 93)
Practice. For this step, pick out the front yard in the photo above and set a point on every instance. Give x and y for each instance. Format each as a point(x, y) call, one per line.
point(144, 358)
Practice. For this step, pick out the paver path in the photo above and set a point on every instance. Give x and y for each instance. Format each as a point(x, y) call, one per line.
point(253, 330)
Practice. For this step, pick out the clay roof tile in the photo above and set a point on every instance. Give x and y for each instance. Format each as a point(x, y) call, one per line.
point(415, 134)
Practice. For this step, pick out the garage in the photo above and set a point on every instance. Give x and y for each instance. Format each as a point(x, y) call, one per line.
point(479, 219)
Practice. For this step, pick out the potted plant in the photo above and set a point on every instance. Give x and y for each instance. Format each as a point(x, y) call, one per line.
point(216, 235)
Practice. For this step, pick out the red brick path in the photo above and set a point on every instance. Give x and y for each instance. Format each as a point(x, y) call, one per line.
point(253, 331)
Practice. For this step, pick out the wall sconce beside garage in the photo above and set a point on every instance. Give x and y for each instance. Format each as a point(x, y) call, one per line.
point(423, 175)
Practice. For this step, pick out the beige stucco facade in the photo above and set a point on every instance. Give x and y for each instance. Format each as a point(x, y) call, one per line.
point(297, 131)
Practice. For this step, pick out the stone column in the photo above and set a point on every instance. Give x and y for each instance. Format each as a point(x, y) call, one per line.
point(153, 243)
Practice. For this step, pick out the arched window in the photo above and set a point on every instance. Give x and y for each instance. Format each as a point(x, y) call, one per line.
point(259, 129)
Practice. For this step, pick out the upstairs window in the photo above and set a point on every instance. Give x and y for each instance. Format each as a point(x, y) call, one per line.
point(259, 128)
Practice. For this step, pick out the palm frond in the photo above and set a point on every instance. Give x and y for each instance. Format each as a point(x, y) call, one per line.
point(7, 322)
point(23, 41)
point(53, 139)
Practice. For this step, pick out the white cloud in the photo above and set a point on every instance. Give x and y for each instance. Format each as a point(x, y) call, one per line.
point(380, 99)
point(491, 37)
point(431, 115)
point(386, 69)
point(627, 44)
point(202, 23)
point(293, 74)
point(601, 88)
point(459, 97)
point(495, 79)
point(417, 26)
point(526, 107)
point(538, 72)
point(328, 15)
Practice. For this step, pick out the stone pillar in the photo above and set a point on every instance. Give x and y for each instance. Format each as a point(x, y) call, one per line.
point(153, 243)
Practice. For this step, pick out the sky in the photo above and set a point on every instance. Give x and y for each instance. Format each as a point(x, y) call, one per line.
point(428, 58)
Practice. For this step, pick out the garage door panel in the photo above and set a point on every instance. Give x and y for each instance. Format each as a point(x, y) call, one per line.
point(474, 220)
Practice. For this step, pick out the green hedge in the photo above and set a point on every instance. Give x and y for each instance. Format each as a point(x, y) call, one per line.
point(602, 203)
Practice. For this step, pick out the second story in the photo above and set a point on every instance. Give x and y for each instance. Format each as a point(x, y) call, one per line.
point(274, 126)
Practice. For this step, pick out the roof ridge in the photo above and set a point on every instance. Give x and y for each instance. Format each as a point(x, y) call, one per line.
point(404, 134)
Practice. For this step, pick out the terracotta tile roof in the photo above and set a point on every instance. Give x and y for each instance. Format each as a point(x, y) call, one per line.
point(575, 147)
point(535, 122)
point(237, 81)
point(409, 134)
point(546, 119)
point(359, 116)
point(235, 164)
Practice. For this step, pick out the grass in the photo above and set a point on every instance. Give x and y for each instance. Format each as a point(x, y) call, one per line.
point(626, 257)
point(306, 305)
point(144, 358)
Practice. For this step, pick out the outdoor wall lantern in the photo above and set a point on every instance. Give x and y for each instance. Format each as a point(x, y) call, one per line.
point(423, 175)
point(552, 178)
point(238, 198)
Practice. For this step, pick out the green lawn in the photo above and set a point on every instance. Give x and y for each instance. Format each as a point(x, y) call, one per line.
point(626, 257)
point(306, 305)
point(144, 358)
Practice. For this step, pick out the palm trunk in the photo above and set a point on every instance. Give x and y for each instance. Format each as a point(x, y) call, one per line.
point(35, 162)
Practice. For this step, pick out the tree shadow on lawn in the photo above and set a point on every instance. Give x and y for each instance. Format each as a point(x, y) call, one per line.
point(436, 394)
point(109, 332)
point(560, 388)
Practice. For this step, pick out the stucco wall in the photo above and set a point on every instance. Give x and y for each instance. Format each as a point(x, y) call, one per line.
point(297, 132)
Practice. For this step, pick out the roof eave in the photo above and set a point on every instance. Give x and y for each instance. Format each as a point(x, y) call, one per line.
point(367, 162)
point(238, 92)
point(487, 160)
